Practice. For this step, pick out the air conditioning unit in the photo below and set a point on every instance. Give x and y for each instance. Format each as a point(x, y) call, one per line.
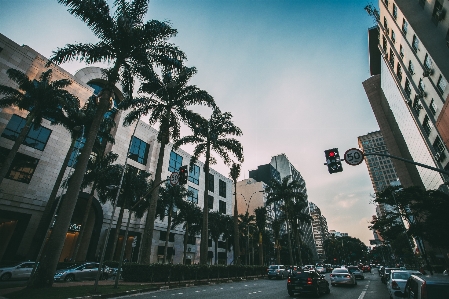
point(439, 14)
point(427, 72)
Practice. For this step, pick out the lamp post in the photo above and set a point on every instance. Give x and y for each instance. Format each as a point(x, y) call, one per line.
point(53, 218)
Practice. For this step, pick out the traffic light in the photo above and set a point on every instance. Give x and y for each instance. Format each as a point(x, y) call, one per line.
point(333, 161)
point(183, 174)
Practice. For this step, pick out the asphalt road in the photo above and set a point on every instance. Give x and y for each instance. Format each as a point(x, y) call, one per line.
point(369, 288)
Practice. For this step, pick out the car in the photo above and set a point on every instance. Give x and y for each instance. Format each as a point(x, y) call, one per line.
point(17, 271)
point(366, 268)
point(425, 287)
point(85, 271)
point(354, 270)
point(342, 276)
point(309, 267)
point(307, 282)
point(398, 279)
point(320, 269)
point(386, 274)
point(290, 269)
point(277, 271)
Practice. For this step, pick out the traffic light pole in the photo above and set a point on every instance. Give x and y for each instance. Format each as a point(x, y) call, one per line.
point(408, 161)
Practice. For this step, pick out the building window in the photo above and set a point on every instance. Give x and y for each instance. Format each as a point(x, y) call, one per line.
point(386, 25)
point(222, 188)
point(421, 85)
point(399, 72)
point(222, 206)
point(401, 51)
point(191, 240)
point(391, 58)
point(407, 88)
point(427, 62)
point(193, 197)
point(411, 68)
point(36, 138)
point(395, 11)
point(79, 144)
point(163, 236)
point(415, 43)
point(427, 125)
point(210, 202)
point(138, 150)
point(433, 108)
point(384, 44)
point(386, 3)
point(175, 162)
point(442, 83)
point(211, 183)
point(22, 167)
point(404, 26)
point(439, 148)
point(417, 105)
point(194, 174)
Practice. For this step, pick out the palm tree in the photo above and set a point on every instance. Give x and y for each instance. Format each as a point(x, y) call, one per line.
point(234, 174)
point(43, 98)
point(216, 229)
point(246, 221)
point(189, 215)
point(170, 198)
point(98, 167)
point(228, 230)
point(75, 122)
point(168, 105)
point(286, 193)
point(276, 226)
point(261, 221)
point(211, 135)
point(127, 43)
point(298, 216)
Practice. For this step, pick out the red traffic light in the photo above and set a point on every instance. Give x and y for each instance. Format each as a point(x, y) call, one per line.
point(331, 154)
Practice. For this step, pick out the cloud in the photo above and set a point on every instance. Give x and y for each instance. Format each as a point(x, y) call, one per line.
point(345, 201)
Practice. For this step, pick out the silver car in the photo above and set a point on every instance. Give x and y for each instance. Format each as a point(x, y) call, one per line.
point(17, 271)
point(342, 276)
point(277, 271)
point(86, 271)
point(356, 272)
point(398, 279)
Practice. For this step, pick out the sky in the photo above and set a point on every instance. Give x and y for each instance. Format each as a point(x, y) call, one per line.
point(289, 71)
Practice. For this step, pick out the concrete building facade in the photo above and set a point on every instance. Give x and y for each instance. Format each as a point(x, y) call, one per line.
point(320, 229)
point(25, 189)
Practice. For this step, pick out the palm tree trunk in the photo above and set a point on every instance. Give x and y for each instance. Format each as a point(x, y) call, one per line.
point(290, 251)
point(147, 238)
point(236, 229)
point(298, 245)
point(216, 251)
point(204, 248)
point(278, 253)
point(118, 226)
point(44, 274)
point(260, 249)
point(17, 143)
point(84, 223)
point(186, 238)
point(47, 215)
point(167, 236)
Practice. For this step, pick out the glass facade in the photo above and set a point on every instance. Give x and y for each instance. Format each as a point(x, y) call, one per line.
point(410, 131)
point(194, 174)
point(36, 138)
point(175, 162)
point(22, 167)
point(138, 150)
point(222, 188)
point(194, 196)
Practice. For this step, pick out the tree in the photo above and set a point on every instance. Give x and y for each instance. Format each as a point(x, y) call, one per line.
point(261, 221)
point(170, 198)
point(190, 217)
point(298, 216)
point(43, 98)
point(76, 121)
point(168, 105)
point(127, 43)
point(228, 230)
point(212, 135)
point(216, 229)
point(234, 175)
point(276, 226)
point(286, 193)
point(246, 222)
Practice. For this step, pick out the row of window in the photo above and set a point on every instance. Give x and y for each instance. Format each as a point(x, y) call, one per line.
point(190, 241)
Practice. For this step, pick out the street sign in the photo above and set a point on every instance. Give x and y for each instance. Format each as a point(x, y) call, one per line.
point(353, 156)
point(174, 178)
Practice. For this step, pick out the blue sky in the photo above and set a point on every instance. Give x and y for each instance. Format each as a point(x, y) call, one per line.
point(290, 72)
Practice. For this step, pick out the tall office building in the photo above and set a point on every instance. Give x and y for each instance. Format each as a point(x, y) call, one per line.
point(409, 95)
point(320, 229)
point(381, 169)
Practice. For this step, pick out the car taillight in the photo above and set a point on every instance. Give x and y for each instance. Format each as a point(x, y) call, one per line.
point(309, 280)
point(332, 275)
point(424, 290)
point(348, 276)
point(394, 285)
point(289, 280)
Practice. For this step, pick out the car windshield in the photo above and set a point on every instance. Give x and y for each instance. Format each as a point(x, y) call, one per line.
point(353, 269)
point(273, 267)
point(400, 275)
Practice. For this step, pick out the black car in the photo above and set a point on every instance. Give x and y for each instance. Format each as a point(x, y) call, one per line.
point(307, 282)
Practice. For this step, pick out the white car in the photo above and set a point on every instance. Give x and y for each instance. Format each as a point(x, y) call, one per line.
point(18, 271)
point(398, 279)
point(321, 270)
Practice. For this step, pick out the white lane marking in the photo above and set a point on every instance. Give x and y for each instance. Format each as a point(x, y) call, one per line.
point(362, 295)
point(180, 293)
point(197, 291)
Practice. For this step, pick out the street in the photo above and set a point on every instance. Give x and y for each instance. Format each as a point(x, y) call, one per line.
point(369, 288)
